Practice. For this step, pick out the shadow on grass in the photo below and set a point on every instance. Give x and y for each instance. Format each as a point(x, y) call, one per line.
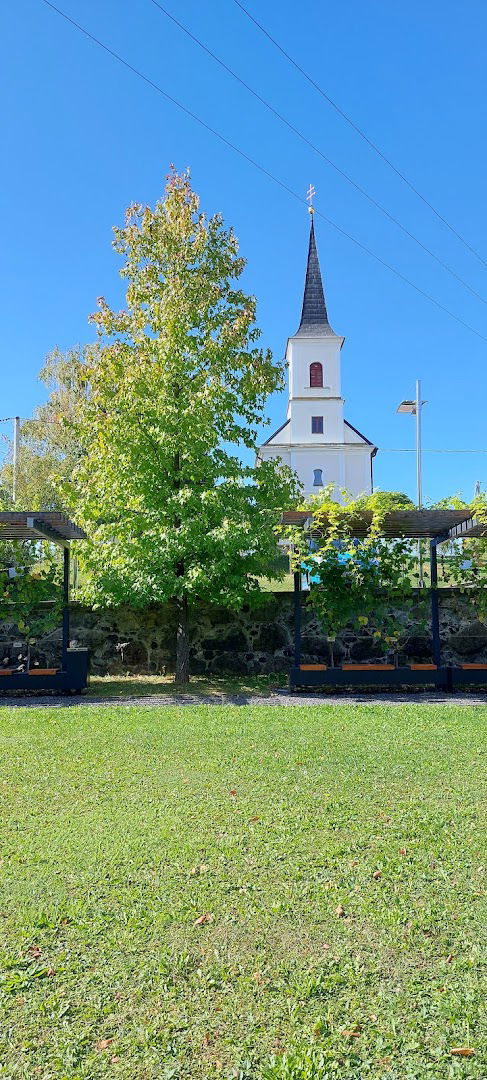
point(125, 686)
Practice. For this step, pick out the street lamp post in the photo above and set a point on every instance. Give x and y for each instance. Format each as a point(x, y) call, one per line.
point(414, 408)
point(15, 460)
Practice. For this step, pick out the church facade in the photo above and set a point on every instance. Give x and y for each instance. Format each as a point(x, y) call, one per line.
point(315, 440)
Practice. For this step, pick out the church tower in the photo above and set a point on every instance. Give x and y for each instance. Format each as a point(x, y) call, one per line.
point(315, 440)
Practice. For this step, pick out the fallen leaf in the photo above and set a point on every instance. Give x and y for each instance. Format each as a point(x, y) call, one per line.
point(462, 1051)
point(373, 1018)
point(377, 874)
point(449, 958)
point(351, 1034)
point(340, 911)
point(403, 851)
point(206, 1039)
point(35, 951)
point(202, 919)
point(257, 976)
point(385, 1060)
point(255, 818)
point(103, 1044)
point(51, 971)
point(115, 1059)
point(233, 791)
point(326, 946)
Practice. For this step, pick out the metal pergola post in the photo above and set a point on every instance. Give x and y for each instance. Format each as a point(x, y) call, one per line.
point(435, 609)
point(435, 600)
point(297, 618)
point(65, 645)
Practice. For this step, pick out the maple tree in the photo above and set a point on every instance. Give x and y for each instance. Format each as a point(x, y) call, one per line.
point(176, 391)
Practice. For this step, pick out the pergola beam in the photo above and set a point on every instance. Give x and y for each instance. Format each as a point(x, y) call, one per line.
point(464, 529)
point(41, 531)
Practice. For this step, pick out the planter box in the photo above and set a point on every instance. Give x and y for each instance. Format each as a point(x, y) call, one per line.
point(423, 667)
point(351, 676)
point(312, 667)
point(43, 671)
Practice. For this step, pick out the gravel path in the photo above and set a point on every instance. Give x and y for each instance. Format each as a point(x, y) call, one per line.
point(276, 697)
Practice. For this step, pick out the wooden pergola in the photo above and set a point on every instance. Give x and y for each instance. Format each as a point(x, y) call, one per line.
point(437, 526)
point(55, 528)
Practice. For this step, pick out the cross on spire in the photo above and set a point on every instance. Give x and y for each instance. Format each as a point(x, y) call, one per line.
point(310, 194)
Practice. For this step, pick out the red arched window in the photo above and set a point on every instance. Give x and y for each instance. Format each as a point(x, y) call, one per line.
point(316, 374)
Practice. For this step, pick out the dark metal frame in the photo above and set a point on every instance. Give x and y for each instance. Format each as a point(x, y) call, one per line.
point(443, 676)
point(56, 529)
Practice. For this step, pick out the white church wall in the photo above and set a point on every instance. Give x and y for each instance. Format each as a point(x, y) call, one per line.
point(301, 353)
point(358, 473)
point(348, 470)
point(331, 409)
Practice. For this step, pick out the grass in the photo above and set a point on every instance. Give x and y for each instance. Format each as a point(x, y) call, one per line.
point(124, 686)
point(338, 858)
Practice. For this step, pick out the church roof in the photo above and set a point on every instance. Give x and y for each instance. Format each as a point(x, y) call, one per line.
point(314, 316)
point(274, 433)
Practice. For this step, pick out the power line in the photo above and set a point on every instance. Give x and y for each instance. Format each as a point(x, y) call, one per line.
point(341, 172)
point(360, 132)
point(411, 450)
point(382, 449)
point(29, 420)
point(261, 168)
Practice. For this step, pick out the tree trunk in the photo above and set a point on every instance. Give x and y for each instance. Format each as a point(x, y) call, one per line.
point(182, 642)
point(181, 677)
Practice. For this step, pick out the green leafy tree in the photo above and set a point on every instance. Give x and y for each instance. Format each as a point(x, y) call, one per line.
point(48, 447)
point(177, 391)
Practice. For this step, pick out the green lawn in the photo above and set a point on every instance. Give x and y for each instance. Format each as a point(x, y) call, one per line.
point(337, 854)
point(126, 686)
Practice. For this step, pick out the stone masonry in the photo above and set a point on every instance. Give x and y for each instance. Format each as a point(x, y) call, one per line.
point(248, 642)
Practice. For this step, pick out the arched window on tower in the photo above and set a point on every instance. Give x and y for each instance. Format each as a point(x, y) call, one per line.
point(316, 374)
point(317, 477)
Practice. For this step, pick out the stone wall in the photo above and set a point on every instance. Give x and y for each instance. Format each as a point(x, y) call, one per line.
point(249, 642)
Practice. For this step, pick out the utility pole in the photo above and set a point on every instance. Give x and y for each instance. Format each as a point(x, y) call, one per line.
point(16, 420)
point(419, 405)
point(419, 475)
point(415, 408)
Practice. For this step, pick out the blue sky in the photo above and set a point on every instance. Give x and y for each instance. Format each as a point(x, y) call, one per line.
point(83, 137)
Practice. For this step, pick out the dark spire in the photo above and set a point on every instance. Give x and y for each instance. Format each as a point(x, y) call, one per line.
point(314, 316)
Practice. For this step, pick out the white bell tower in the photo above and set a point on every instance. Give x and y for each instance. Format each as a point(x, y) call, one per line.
point(315, 440)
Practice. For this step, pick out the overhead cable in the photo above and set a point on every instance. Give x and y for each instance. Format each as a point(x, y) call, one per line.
point(360, 132)
point(265, 172)
point(316, 149)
